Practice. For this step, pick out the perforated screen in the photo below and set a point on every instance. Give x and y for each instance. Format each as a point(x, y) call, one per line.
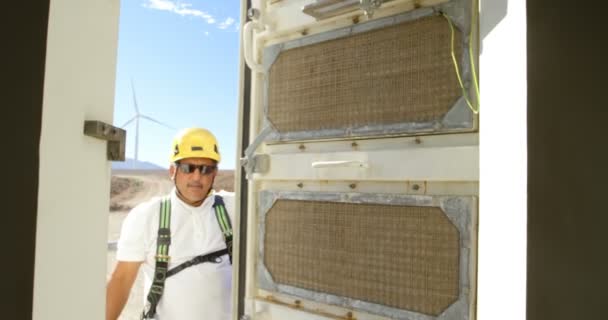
point(403, 73)
point(405, 257)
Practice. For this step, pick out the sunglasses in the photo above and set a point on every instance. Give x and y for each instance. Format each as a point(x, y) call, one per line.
point(190, 168)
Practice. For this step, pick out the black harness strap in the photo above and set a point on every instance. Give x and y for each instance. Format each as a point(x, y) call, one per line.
point(162, 251)
point(213, 257)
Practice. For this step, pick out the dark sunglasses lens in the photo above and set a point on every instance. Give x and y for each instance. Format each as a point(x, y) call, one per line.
point(207, 169)
point(185, 168)
point(189, 168)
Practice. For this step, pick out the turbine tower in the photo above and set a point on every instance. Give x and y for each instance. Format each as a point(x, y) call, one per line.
point(136, 118)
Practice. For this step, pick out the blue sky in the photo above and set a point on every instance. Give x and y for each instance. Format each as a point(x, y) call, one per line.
point(183, 60)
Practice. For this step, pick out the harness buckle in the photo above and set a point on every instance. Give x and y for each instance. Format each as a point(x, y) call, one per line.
point(162, 257)
point(215, 259)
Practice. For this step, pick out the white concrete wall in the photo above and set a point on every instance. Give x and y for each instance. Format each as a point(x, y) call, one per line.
point(73, 196)
point(503, 161)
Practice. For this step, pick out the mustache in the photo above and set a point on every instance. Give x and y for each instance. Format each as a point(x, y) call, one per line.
point(198, 185)
point(195, 184)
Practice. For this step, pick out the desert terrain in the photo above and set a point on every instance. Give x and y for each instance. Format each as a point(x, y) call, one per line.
point(129, 188)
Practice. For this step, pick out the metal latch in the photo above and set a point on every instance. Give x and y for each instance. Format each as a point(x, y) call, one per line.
point(323, 9)
point(257, 163)
point(116, 138)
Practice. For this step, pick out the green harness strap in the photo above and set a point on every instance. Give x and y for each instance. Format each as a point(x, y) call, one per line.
point(224, 221)
point(162, 258)
point(162, 250)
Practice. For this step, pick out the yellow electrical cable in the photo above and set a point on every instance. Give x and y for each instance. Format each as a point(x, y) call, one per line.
point(474, 19)
point(464, 92)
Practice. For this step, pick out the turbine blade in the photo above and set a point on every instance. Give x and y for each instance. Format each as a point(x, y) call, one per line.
point(134, 97)
point(154, 120)
point(130, 120)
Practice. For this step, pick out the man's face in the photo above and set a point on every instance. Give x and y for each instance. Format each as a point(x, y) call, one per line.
point(195, 185)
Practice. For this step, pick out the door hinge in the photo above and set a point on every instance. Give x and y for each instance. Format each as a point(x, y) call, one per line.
point(116, 138)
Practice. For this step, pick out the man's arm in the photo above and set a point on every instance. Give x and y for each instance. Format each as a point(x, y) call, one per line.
point(119, 287)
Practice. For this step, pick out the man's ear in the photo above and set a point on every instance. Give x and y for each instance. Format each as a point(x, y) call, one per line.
point(172, 171)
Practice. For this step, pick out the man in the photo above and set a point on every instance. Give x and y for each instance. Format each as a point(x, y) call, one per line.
point(199, 291)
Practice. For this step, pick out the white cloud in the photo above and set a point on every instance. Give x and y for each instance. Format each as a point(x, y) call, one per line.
point(206, 33)
point(183, 9)
point(160, 5)
point(226, 23)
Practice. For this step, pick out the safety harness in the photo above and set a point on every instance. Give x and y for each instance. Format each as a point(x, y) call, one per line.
point(161, 272)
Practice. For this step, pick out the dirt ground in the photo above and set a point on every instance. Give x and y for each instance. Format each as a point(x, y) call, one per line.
point(130, 188)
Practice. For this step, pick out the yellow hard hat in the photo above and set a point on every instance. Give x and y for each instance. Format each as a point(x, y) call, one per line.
point(195, 143)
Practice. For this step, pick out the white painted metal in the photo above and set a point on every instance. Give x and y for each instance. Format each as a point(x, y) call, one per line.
point(432, 165)
point(503, 165)
point(451, 157)
point(410, 187)
point(254, 127)
point(429, 141)
point(282, 307)
point(74, 180)
point(444, 164)
point(289, 22)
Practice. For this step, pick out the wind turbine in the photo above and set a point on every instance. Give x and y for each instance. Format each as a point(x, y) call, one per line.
point(137, 117)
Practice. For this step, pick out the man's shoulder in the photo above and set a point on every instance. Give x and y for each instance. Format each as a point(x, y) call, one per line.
point(228, 198)
point(225, 194)
point(139, 225)
point(149, 206)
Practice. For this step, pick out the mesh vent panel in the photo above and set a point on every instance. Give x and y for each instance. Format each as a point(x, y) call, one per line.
point(398, 256)
point(398, 74)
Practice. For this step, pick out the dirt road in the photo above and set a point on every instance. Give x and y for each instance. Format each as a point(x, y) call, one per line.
point(139, 188)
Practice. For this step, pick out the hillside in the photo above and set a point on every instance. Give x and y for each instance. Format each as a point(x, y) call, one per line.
point(130, 187)
point(132, 164)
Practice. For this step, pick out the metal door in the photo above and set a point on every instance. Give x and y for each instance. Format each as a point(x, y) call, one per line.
point(362, 161)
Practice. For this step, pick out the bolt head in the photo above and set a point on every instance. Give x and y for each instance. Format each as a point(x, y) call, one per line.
point(253, 13)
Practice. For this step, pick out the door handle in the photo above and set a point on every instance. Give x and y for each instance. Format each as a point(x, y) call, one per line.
point(248, 49)
point(340, 163)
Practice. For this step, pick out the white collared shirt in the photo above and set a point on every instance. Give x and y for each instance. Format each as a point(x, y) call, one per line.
point(199, 292)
